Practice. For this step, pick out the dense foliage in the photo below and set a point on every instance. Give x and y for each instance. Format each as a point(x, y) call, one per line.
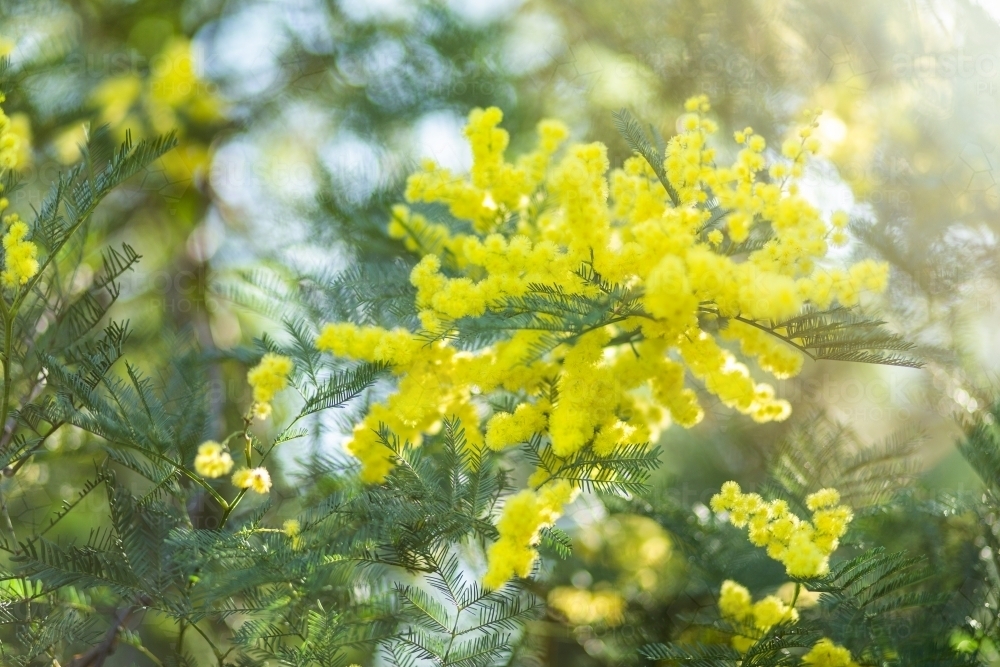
point(461, 415)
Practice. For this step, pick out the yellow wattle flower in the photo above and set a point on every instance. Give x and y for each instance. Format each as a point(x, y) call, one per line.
point(552, 222)
point(804, 547)
point(827, 654)
point(524, 515)
point(255, 479)
point(212, 461)
point(266, 379)
point(625, 227)
point(20, 255)
point(11, 148)
point(292, 529)
point(583, 607)
point(751, 619)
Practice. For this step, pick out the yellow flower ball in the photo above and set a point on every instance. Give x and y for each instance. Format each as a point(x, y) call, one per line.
point(255, 479)
point(212, 461)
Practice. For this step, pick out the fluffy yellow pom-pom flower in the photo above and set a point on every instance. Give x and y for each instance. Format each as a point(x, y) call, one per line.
point(822, 499)
point(14, 141)
point(583, 607)
point(751, 619)
point(804, 547)
point(292, 528)
point(255, 479)
point(506, 429)
point(266, 379)
point(523, 518)
point(827, 654)
point(735, 601)
point(20, 255)
point(212, 461)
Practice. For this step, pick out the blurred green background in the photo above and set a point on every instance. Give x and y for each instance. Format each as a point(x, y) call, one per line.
point(300, 119)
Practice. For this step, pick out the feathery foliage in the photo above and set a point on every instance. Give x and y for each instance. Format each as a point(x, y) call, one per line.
point(267, 547)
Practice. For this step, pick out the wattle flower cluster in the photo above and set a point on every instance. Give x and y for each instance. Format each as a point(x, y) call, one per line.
point(538, 222)
point(292, 529)
point(584, 607)
point(20, 255)
point(255, 479)
point(524, 516)
point(751, 619)
point(266, 379)
point(173, 97)
point(212, 460)
point(804, 547)
point(825, 653)
point(11, 148)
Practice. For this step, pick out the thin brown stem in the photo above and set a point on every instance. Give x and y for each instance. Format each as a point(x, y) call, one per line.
point(96, 655)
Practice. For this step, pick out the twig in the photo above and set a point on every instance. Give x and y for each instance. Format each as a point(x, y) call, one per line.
point(96, 655)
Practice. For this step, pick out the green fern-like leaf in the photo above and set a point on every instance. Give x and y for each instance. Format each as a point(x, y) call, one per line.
point(632, 132)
